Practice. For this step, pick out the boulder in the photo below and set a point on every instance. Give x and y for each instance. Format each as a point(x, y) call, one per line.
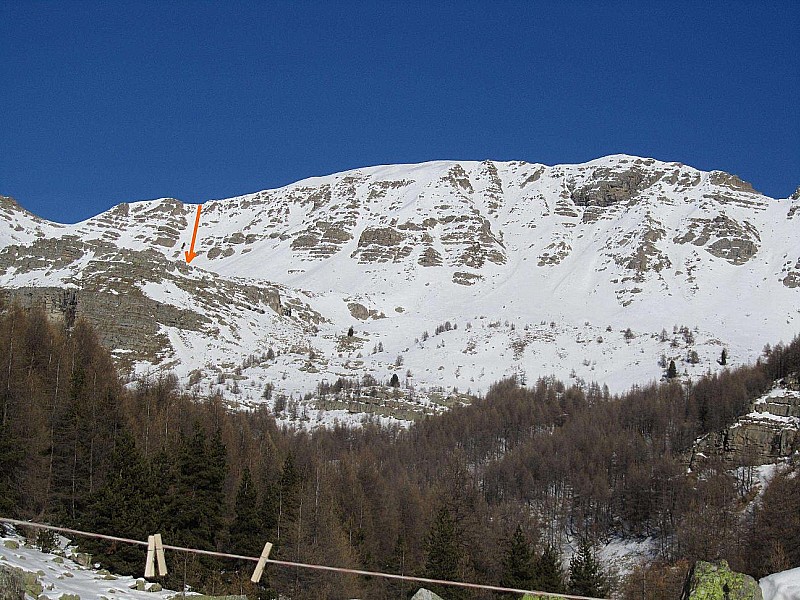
point(716, 581)
point(12, 585)
point(781, 586)
point(423, 594)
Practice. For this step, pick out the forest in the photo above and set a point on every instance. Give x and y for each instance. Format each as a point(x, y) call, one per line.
point(488, 492)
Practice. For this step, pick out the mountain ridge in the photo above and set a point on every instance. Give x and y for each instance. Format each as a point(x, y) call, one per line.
point(541, 268)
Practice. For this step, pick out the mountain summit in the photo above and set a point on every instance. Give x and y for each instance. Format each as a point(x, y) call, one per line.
point(451, 275)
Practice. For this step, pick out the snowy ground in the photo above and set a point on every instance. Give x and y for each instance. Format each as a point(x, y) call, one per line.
point(59, 574)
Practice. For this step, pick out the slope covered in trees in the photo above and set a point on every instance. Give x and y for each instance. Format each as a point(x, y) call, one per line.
point(488, 492)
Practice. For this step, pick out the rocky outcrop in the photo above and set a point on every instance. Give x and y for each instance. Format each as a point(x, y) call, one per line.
point(463, 278)
point(768, 433)
point(723, 237)
point(128, 324)
point(716, 581)
point(362, 313)
point(607, 187)
point(12, 584)
point(381, 244)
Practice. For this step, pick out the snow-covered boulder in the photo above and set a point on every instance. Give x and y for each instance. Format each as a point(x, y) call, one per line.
point(781, 586)
point(423, 594)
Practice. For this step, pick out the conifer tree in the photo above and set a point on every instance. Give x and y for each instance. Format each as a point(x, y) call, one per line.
point(586, 577)
point(196, 510)
point(247, 537)
point(442, 549)
point(121, 508)
point(672, 370)
point(548, 573)
point(11, 455)
point(518, 566)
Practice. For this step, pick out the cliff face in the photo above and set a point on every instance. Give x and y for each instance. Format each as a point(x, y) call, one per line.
point(768, 433)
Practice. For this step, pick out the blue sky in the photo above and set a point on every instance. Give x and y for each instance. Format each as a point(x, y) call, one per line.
point(107, 102)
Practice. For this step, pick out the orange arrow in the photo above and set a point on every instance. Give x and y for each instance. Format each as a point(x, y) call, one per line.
point(190, 254)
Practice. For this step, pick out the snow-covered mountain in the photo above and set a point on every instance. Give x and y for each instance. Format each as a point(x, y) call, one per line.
point(520, 268)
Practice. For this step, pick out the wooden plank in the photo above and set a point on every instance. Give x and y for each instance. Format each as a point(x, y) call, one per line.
point(149, 566)
point(262, 561)
point(162, 564)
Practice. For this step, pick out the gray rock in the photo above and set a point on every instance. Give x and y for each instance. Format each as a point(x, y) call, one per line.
point(423, 594)
point(12, 584)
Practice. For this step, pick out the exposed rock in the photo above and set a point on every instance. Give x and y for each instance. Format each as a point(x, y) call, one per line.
point(607, 187)
point(12, 585)
point(735, 242)
point(458, 178)
point(381, 244)
point(770, 432)
point(554, 253)
point(730, 181)
point(430, 258)
point(462, 278)
point(362, 313)
point(716, 581)
point(423, 594)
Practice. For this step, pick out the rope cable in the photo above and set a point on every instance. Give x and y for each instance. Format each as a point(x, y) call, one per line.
point(288, 563)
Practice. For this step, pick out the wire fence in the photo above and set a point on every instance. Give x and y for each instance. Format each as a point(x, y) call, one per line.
point(288, 563)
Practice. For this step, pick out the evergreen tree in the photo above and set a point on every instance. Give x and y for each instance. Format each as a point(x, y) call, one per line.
point(11, 455)
point(585, 574)
point(121, 508)
point(247, 537)
point(723, 358)
point(548, 573)
point(196, 511)
point(672, 370)
point(395, 381)
point(442, 550)
point(518, 566)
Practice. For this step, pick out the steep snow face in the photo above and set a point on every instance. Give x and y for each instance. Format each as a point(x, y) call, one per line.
point(539, 271)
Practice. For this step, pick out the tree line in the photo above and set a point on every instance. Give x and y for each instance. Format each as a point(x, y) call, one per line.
point(489, 492)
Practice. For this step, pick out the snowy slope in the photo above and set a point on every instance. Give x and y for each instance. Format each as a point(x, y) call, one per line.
point(540, 271)
point(58, 574)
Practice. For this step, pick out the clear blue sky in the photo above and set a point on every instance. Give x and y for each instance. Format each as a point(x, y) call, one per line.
point(106, 102)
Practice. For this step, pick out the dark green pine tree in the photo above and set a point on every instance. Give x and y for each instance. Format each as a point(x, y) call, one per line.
point(586, 577)
point(548, 573)
point(121, 508)
point(196, 511)
point(518, 566)
point(285, 501)
point(11, 456)
point(443, 555)
point(672, 371)
point(247, 537)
